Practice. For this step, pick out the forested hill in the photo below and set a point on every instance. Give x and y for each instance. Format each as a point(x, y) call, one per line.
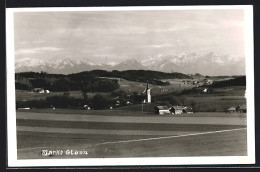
point(239, 81)
point(90, 80)
point(135, 75)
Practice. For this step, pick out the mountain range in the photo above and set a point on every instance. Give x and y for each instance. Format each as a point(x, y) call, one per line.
point(206, 64)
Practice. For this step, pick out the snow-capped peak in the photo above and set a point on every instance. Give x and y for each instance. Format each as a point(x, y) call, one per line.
point(208, 63)
point(112, 63)
point(27, 62)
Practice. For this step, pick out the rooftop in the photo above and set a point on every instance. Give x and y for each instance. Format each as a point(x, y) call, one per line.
point(242, 107)
point(232, 108)
point(178, 107)
point(162, 107)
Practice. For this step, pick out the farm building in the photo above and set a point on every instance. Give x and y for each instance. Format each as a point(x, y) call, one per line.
point(173, 110)
point(177, 109)
point(162, 110)
point(241, 109)
point(232, 109)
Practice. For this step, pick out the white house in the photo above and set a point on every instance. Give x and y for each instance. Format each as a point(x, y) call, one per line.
point(177, 109)
point(161, 110)
point(205, 90)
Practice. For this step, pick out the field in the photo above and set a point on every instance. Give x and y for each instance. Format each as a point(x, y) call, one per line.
point(218, 99)
point(175, 86)
point(22, 95)
point(124, 133)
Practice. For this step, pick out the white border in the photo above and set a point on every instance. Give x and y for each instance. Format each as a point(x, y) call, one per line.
point(11, 113)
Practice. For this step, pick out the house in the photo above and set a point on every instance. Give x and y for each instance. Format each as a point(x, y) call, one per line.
point(241, 109)
point(118, 103)
point(24, 108)
point(207, 81)
point(37, 90)
point(187, 109)
point(232, 109)
point(205, 90)
point(194, 82)
point(173, 110)
point(177, 109)
point(162, 110)
point(86, 107)
point(53, 107)
point(40, 90)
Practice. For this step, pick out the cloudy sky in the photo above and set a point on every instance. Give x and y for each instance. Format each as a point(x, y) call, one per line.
point(122, 35)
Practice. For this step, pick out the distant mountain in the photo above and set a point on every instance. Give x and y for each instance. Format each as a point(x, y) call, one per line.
point(128, 65)
point(64, 66)
point(206, 64)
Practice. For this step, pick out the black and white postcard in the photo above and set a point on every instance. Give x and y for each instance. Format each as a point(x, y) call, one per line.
point(108, 86)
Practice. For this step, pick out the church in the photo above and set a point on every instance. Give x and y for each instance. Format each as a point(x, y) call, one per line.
point(148, 94)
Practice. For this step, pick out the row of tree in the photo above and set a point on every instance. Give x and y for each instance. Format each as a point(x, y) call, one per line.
point(98, 102)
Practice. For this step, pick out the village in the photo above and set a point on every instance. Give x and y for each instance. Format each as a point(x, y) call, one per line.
point(180, 109)
point(122, 99)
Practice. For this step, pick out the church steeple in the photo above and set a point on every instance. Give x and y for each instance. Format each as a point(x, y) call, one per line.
point(148, 93)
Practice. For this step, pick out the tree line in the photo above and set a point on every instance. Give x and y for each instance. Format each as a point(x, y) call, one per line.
point(62, 83)
point(154, 77)
point(98, 102)
point(239, 81)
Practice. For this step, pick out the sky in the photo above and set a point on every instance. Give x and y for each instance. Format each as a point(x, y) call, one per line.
point(121, 35)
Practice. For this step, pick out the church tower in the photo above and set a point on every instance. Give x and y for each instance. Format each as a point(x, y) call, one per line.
point(148, 94)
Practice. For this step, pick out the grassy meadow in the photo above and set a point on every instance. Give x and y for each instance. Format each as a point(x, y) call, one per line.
point(117, 133)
